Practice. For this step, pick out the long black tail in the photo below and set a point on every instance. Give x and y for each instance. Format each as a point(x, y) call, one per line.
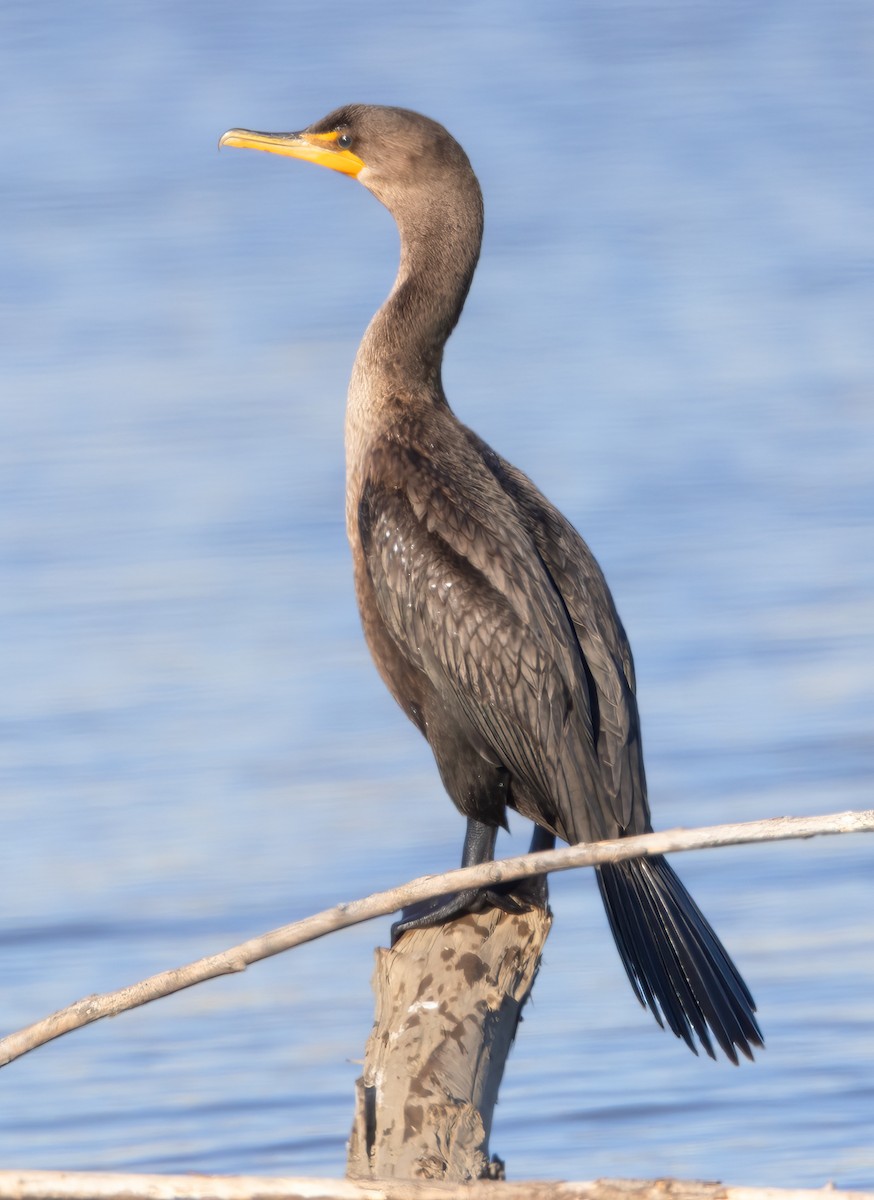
point(677, 965)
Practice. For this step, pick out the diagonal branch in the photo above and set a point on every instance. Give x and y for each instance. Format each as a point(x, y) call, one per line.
point(110, 1004)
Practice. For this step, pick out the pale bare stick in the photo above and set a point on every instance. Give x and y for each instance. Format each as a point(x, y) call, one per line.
point(110, 1004)
point(99, 1185)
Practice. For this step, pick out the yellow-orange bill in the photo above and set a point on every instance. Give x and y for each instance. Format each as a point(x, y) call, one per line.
point(320, 148)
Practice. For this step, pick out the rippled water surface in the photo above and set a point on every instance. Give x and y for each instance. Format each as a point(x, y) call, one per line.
point(671, 331)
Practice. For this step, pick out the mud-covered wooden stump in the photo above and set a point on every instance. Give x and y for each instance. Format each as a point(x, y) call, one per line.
point(448, 1002)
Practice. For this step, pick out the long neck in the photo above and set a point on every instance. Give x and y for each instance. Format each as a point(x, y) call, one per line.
point(402, 350)
point(397, 367)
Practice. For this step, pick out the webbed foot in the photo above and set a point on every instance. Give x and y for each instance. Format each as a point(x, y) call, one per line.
point(520, 895)
point(436, 911)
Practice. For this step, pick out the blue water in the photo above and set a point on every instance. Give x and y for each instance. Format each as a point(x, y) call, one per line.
point(671, 331)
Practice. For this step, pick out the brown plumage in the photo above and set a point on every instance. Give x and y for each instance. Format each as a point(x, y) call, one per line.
point(484, 610)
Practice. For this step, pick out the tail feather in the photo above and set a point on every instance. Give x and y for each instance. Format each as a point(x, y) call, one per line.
point(736, 1013)
point(707, 975)
point(677, 965)
point(655, 937)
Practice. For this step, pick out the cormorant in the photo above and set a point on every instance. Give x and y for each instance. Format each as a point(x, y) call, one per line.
point(485, 611)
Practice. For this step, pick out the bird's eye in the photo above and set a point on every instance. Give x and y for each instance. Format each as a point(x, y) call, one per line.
point(344, 140)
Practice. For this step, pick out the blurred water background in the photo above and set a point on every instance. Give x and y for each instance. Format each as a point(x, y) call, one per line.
point(671, 330)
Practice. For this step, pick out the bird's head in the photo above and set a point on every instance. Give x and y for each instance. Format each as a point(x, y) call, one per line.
point(395, 153)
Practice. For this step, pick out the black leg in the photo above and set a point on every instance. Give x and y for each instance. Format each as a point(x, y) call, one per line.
point(479, 843)
point(535, 890)
point(541, 839)
point(479, 847)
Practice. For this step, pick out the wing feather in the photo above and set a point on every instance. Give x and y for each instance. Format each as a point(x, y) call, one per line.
point(602, 640)
point(469, 603)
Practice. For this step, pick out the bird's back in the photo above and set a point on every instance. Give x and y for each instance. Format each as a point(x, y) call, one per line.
point(605, 657)
point(478, 587)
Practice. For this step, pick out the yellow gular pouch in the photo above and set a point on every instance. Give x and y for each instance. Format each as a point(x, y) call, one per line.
point(319, 148)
